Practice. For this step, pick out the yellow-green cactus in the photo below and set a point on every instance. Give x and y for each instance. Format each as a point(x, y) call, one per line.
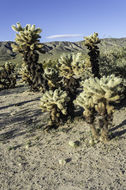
point(26, 38)
point(98, 96)
point(107, 89)
point(25, 74)
point(73, 65)
point(91, 43)
point(65, 67)
point(55, 102)
point(92, 40)
point(71, 69)
point(28, 44)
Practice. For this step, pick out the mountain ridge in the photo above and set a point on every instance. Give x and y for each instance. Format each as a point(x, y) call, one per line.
point(56, 48)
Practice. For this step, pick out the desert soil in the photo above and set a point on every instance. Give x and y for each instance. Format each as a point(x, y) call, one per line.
point(32, 158)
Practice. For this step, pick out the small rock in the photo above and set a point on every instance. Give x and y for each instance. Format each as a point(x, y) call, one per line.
point(74, 143)
point(62, 162)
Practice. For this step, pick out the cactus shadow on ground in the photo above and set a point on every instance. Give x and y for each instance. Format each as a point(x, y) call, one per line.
point(19, 89)
point(119, 127)
point(10, 134)
point(18, 104)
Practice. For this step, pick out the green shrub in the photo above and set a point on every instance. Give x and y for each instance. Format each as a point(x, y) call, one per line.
point(113, 61)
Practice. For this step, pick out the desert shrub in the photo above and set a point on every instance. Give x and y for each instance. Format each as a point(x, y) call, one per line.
point(8, 76)
point(113, 61)
point(28, 45)
point(97, 99)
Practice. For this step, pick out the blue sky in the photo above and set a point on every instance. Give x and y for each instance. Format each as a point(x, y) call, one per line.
point(71, 19)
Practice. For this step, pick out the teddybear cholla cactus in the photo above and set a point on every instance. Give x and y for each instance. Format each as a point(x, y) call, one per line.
point(68, 66)
point(7, 76)
point(73, 65)
point(27, 43)
point(97, 97)
point(91, 43)
point(55, 102)
point(81, 66)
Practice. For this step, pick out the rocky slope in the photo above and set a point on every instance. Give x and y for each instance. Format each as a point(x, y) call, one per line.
point(58, 47)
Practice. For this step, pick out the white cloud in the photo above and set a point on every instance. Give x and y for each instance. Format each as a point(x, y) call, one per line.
point(64, 36)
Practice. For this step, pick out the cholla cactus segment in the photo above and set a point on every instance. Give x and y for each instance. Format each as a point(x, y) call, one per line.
point(17, 28)
point(92, 40)
point(84, 101)
point(26, 38)
point(50, 72)
point(51, 98)
point(9, 66)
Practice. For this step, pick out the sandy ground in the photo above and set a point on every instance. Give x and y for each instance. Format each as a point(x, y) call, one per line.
point(32, 158)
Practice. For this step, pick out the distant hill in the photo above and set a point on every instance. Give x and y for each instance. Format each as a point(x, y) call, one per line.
point(56, 48)
point(6, 51)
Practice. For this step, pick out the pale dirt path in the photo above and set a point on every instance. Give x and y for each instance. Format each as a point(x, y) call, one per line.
point(29, 156)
